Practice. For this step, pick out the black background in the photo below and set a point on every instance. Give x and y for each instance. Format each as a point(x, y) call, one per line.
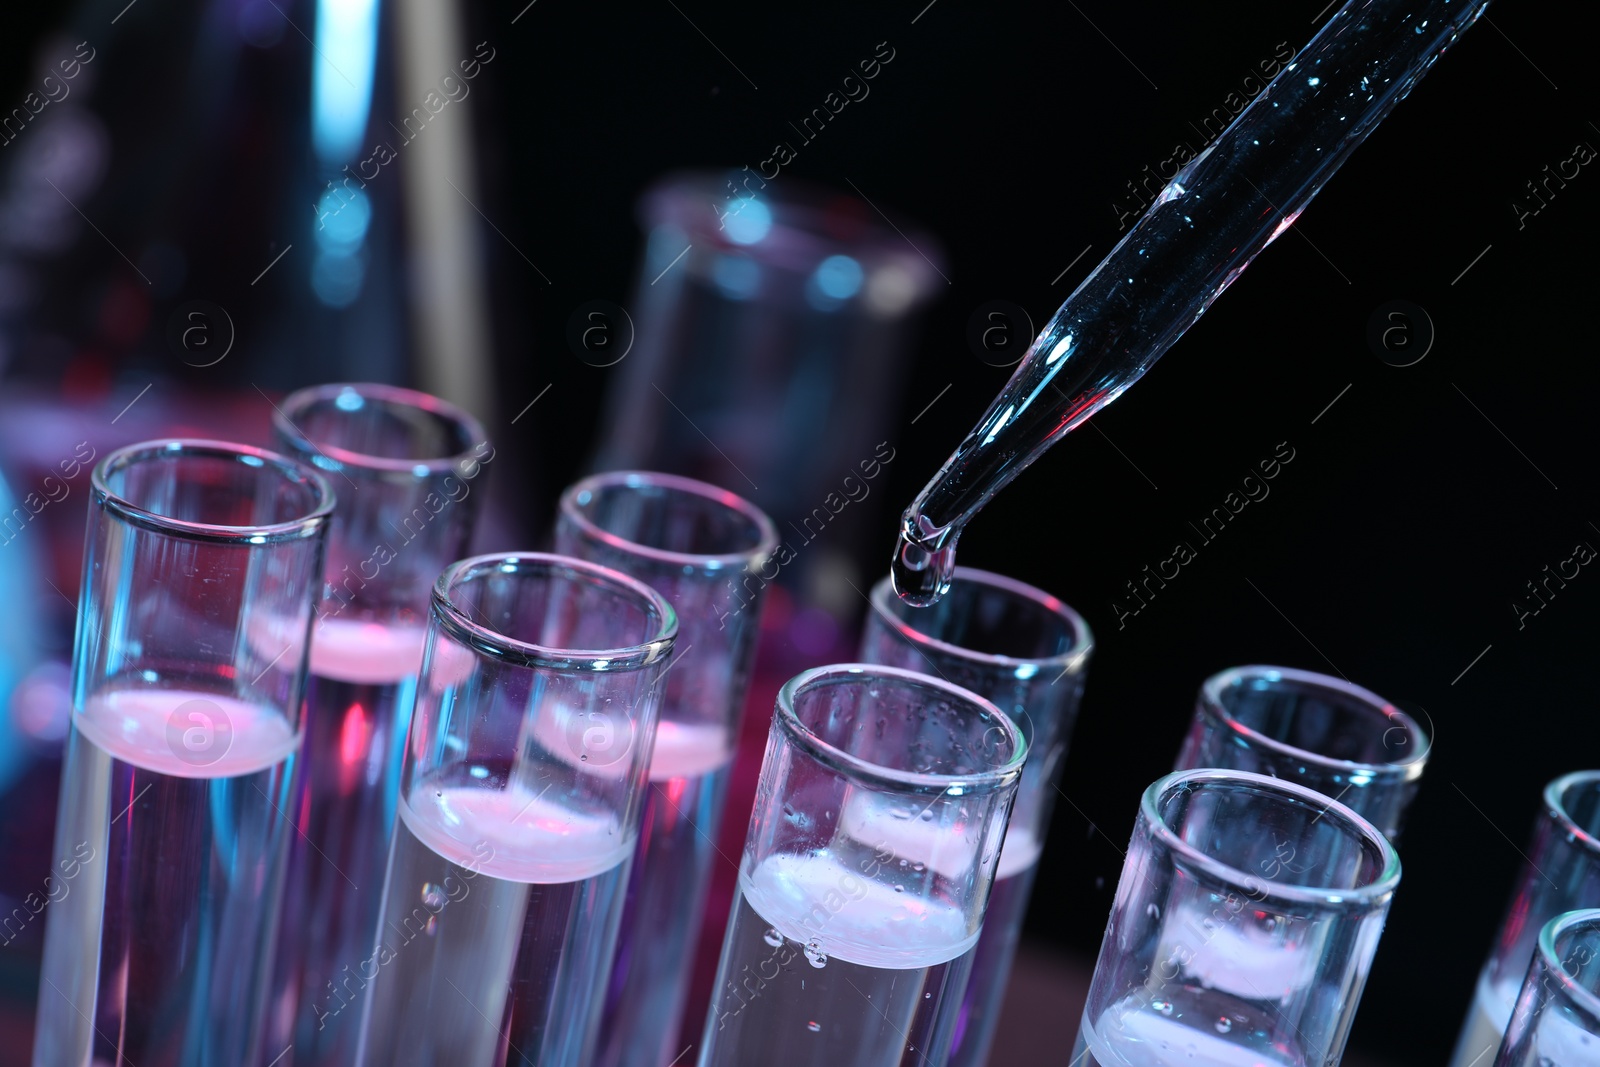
point(1415, 508)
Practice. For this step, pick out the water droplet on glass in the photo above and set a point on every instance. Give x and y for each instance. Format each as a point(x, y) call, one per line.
point(433, 896)
point(1163, 1006)
point(919, 867)
point(1224, 1024)
point(815, 955)
point(773, 938)
point(433, 924)
point(927, 815)
point(927, 996)
point(814, 1026)
point(1153, 910)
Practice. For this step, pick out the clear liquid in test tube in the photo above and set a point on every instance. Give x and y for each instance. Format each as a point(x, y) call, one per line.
point(182, 755)
point(520, 797)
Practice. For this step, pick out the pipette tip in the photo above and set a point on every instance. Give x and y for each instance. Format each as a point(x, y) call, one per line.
point(924, 562)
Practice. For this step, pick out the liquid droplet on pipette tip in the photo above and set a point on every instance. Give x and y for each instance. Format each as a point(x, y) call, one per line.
point(924, 562)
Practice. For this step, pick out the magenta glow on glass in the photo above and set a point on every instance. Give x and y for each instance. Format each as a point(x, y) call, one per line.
point(408, 471)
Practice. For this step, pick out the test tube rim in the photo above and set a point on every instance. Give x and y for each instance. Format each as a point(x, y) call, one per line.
point(976, 783)
point(767, 532)
point(343, 460)
point(309, 524)
point(1210, 703)
point(1560, 924)
point(1288, 893)
point(883, 597)
point(488, 641)
point(1557, 810)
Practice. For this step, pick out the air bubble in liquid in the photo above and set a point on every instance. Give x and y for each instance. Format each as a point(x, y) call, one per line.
point(773, 938)
point(1224, 1024)
point(433, 896)
point(814, 954)
point(814, 1026)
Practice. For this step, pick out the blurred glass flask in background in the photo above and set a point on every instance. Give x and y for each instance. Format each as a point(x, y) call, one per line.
point(203, 202)
point(770, 321)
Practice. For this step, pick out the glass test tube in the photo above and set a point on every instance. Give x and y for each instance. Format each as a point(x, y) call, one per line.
point(1027, 652)
point(1556, 1022)
point(1243, 927)
point(1342, 740)
point(1562, 872)
point(172, 833)
point(519, 808)
point(408, 470)
point(878, 823)
point(696, 545)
